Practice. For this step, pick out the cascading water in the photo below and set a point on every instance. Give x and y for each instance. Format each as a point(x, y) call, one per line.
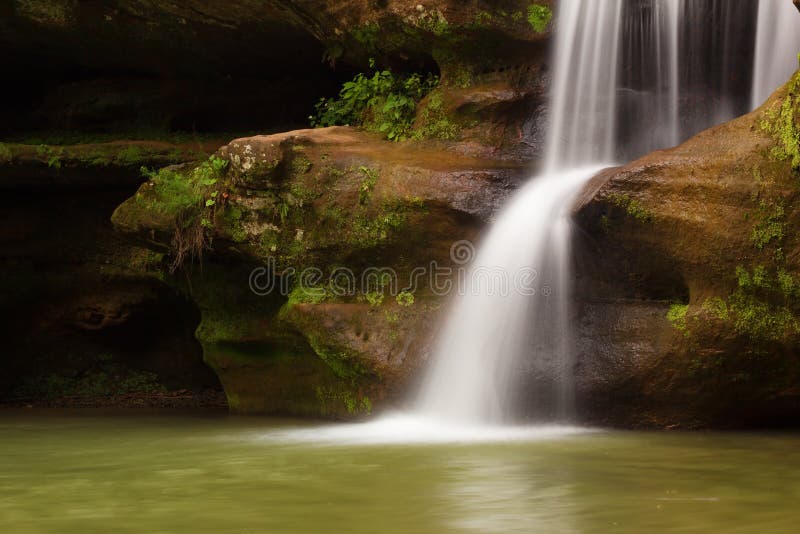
point(489, 331)
point(777, 46)
point(600, 112)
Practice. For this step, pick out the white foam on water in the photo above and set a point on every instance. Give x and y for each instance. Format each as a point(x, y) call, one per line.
point(410, 429)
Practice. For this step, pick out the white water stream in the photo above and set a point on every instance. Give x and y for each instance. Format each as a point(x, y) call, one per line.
point(491, 338)
point(777, 46)
point(628, 77)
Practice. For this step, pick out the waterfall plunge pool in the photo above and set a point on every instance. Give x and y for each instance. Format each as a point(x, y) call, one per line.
point(79, 472)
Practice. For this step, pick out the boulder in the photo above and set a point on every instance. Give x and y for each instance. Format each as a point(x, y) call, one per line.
point(279, 208)
point(689, 277)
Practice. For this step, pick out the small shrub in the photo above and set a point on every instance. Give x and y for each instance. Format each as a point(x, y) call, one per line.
point(367, 185)
point(539, 17)
point(190, 198)
point(764, 307)
point(677, 317)
point(383, 103)
point(54, 162)
point(405, 299)
point(374, 298)
point(434, 122)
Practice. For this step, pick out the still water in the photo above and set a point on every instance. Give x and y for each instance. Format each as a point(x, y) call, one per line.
point(203, 473)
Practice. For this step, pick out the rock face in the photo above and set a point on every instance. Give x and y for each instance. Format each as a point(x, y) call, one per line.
point(98, 165)
point(106, 73)
point(86, 315)
point(123, 65)
point(689, 279)
point(350, 216)
point(208, 66)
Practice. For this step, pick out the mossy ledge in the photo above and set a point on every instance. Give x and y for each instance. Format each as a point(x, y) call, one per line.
point(323, 199)
point(100, 164)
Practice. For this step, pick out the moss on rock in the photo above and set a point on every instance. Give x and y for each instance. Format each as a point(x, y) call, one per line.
point(721, 245)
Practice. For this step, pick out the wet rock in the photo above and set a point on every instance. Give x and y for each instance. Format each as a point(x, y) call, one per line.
point(336, 200)
point(688, 268)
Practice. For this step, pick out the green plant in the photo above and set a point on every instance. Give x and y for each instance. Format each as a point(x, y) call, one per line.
point(632, 207)
point(483, 18)
point(770, 225)
point(383, 103)
point(405, 299)
point(130, 156)
point(432, 21)
point(764, 307)
point(282, 210)
point(539, 17)
point(782, 125)
point(54, 162)
point(302, 294)
point(367, 185)
point(366, 405)
point(42, 151)
point(434, 123)
point(367, 35)
point(190, 199)
point(677, 317)
point(374, 298)
point(53, 157)
point(5, 154)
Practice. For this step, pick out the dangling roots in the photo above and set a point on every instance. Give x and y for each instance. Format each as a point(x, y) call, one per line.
point(189, 242)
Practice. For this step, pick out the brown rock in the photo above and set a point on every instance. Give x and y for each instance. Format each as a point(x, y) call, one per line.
point(705, 234)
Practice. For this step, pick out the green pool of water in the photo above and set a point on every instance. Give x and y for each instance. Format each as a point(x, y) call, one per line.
point(190, 473)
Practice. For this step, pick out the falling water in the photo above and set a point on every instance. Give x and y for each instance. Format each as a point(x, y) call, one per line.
point(489, 330)
point(621, 71)
point(777, 46)
point(649, 76)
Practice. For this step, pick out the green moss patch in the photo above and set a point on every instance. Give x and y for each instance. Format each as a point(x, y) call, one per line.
point(765, 307)
point(539, 17)
point(632, 207)
point(782, 123)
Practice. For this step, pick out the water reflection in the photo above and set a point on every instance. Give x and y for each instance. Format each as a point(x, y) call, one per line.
point(228, 475)
point(493, 494)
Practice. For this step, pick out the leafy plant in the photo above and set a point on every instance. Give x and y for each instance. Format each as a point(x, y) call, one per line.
point(405, 299)
point(434, 122)
point(367, 185)
point(383, 102)
point(54, 162)
point(191, 199)
point(539, 17)
point(374, 298)
point(677, 317)
point(763, 308)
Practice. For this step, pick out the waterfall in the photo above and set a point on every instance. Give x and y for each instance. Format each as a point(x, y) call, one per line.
point(777, 46)
point(489, 332)
point(629, 77)
point(650, 77)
